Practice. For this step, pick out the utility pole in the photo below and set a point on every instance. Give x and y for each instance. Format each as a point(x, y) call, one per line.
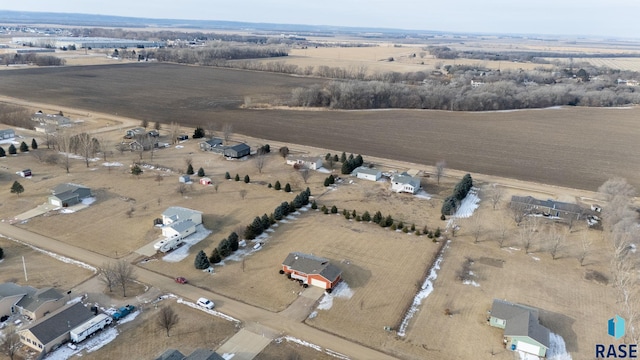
point(24, 266)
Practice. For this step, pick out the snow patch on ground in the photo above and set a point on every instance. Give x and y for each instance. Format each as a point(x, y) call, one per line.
point(78, 157)
point(182, 252)
point(557, 348)
point(341, 291)
point(112, 164)
point(227, 356)
point(471, 282)
point(55, 256)
point(208, 311)
point(468, 205)
point(313, 346)
point(323, 170)
point(423, 195)
point(129, 317)
point(88, 201)
point(426, 289)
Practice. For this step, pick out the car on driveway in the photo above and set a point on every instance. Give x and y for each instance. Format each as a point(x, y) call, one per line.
point(205, 303)
point(181, 280)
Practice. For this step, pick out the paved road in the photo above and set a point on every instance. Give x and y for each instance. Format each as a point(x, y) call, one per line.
point(250, 315)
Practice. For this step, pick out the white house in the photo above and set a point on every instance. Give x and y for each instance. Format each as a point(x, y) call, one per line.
point(367, 173)
point(176, 214)
point(405, 183)
point(178, 223)
point(305, 162)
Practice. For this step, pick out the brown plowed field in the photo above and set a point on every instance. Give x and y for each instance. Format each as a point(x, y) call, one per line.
point(572, 147)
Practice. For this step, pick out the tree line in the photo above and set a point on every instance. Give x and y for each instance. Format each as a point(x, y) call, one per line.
point(32, 58)
point(216, 55)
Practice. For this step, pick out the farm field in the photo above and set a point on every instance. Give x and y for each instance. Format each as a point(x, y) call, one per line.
point(571, 147)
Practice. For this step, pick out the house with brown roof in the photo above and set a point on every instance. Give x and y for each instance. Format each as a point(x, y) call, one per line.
point(311, 270)
point(522, 329)
point(53, 330)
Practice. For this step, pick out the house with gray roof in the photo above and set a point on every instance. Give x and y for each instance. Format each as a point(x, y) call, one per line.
point(10, 295)
point(549, 207)
point(405, 183)
point(311, 270)
point(53, 330)
point(197, 354)
point(213, 144)
point(522, 329)
point(40, 303)
point(237, 151)
point(6, 134)
point(69, 194)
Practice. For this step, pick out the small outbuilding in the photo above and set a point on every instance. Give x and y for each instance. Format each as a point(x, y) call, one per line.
point(237, 151)
point(213, 144)
point(184, 179)
point(7, 134)
point(311, 270)
point(205, 181)
point(367, 173)
point(25, 173)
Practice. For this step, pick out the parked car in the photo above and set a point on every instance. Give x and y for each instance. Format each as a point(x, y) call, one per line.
point(181, 280)
point(206, 303)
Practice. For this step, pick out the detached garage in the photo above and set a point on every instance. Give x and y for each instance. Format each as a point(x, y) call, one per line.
point(69, 194)
point(311, 270)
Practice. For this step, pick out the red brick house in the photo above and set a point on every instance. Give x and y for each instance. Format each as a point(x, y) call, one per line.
point(311, 270)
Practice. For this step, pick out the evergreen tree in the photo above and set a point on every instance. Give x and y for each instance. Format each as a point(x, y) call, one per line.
point(343, 157)
point(2, 153)
point(347, 215)
point(359, 161)
point(12, 150)
point(332, 180)
point(201, 172)
point(297, 202)
point(326, 180)
point(17, 188)
point(136, 170)
point(201, 262)
point(224, 248)
point(344, 212)
point(285, 208)
point(265, 222)
point(287, 188)
point(334, 209)
point(277, 213)
point(277, 186)
point(327, 157)
point(198, 133)
point(24, 147)
point(323, 209)
point(1, 254)
point(215, 256)
point(314, 206)
point(437, 233)
point(366, 216)
point(377, 217)
point(190, 170)
point(292, 208)
point(389, 220)
point(227, 176)
point(350, 156)
point(34, 144)
point(237, 178)
point(353, 213)
point(336, 158)
point(247, 179)
point(400, 225)
point(272, 219)
point(233, 241)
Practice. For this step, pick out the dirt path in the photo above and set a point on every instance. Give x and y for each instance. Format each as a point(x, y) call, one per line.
point(236, 309)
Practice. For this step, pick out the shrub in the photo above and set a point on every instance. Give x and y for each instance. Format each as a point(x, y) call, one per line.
point(344, 212)
point(347, 215)
point(215, 256)
point(358, 218)
point(332, 180)
point(287, 188)
point(353, 213)
point(24, 147)
point(269, 186)
point(326, 182)
point(2, 153)
point(405, 230)
point(201, 172)
point(247, 179)
point(227, 176)
point(237, 178)
point(314, 206)
point(400, 225)
point(34, 144)
point(12, 150)
point(394, 227)
point(437, 234)
point(190, 170)
point(377, 217)
point(442, 217)
point(334, 209)
point(366, 217)
point(277, 186)
point(323, 209)
point(417, 232)
point(233, 241)
point(1, 254)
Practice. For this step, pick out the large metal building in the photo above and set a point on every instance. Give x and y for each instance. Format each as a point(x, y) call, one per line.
point(85, 42)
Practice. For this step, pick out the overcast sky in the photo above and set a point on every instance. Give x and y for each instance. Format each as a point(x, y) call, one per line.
point(617, 18)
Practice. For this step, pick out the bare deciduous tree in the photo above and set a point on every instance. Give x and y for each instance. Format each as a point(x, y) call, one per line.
point(159, 178)
point(181, 188)
point(304, 174)
point(227, 131)
point(528, 234)
point(476, 228)
point(63, 143)
point(495, 194)
point(107, 276)
point(502, 231)
point(124, 274)
point(243, 193)
point(586, 247)
point(260, 161)
point(10, 342)
point(174, 130)
point(440, 167)
point(167, 319)
point(556, 239)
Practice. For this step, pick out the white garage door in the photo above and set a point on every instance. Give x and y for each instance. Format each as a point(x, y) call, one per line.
point(56, 202)
point(532, 349)
point(319, 283)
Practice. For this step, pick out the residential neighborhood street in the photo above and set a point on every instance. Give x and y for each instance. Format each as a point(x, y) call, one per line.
point(252, 317)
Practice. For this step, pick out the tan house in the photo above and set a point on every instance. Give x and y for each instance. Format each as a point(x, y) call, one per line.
point(53, 330)
point(40, 303)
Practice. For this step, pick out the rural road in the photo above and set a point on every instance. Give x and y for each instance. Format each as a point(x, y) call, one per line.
point(248, 314)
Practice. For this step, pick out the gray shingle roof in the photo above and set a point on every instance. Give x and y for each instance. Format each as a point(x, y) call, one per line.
point(62, 188)
point(405, 178)
point(310, 265)
point(171, 354)
point(551, 204)
point(526, 324)
point(365, 170)
point(181, 226)
point(505, 310)
point(176, 213)
point(32, 302)
point(240, 147)
point(11, 289)
point(60, 322)
point(203, 354)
